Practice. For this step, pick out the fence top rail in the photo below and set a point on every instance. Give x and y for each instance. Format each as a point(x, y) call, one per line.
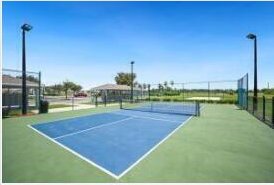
point(200, 82)
point(246, 75)
point(14, 70)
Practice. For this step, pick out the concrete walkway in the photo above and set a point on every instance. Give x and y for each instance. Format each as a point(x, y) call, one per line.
point(75, 107)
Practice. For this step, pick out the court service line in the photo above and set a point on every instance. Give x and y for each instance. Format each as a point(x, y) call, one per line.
point(93, 128)
point(147, 117)
point(75, 153)
point(153, 148)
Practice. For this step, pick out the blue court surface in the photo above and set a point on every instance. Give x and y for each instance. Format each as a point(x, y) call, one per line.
point(114, 142)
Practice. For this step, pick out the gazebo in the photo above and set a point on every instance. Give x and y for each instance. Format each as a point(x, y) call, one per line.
point(114, 92)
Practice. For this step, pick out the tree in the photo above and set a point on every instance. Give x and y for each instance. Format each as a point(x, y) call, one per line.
point(124, 78)
point(58, 88)
point(67, 85)
point(171, 83)
point(76, 88)
point(165, 84)
point(48, 90)
point(144, 86)
point(160, 86)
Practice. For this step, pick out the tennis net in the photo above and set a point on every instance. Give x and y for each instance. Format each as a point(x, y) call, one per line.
point(182, 108)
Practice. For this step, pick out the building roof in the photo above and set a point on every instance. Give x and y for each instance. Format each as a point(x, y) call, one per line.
point(114, 87)
point(13, 82)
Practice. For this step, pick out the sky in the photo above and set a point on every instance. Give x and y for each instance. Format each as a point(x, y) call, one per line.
point(90, 42)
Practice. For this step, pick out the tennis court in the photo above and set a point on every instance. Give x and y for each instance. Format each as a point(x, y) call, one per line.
point(116, 141)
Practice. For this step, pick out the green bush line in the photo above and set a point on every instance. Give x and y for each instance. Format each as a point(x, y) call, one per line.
point(200, 101)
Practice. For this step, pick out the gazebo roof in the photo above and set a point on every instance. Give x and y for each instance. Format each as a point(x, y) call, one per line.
point(114, 87)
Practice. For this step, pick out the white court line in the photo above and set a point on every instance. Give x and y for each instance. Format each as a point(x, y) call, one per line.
point(147, 117)
point(92, 128)
point(74, 117)
point(75, 153)
point(153, 148)
point(102, 168)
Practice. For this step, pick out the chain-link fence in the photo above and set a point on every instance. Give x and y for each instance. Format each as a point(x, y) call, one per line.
point(207, 91)
point(69, 102)
point(12, 91)
point(262, 107)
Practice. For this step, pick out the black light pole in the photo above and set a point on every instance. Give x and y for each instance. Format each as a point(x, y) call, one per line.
point(131, 92)
point(24, 27)
point(254, 37)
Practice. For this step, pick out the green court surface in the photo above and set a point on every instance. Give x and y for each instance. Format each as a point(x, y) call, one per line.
point(225, 144)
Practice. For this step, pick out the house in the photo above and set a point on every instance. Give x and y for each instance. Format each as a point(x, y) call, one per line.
point(12, 92)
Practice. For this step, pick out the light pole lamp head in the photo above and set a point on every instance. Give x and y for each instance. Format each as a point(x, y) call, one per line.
point(132, 62)
point(251, 36)
point(26, 27)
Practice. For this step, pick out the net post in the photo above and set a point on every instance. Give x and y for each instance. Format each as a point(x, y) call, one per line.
point(263, 108)
point(121, 103)
point(197, 108)
point(105, 100)
point(149, 92)
point(72, 102)
point(96, 101)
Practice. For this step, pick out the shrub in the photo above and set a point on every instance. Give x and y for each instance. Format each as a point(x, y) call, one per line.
point(177, 100)
point(166, 99)
point(155, 99)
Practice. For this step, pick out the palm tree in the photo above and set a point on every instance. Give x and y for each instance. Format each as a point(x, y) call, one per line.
point(144, 86)
point(66, 87)
point(165, 84)
point(171, 83)
point(160, 86)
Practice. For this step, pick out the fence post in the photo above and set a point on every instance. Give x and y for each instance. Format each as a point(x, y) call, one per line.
point(273, 111)
point(72, 101)
point(183, 91)
point(253, 109)
point(263, 108)
point(246, 91)
point(39, 91)
point(148, 92)
point(208, 85)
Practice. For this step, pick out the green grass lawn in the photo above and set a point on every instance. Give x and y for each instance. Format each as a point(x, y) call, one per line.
point(53, 106)
point(223, 145)
point(224, 97)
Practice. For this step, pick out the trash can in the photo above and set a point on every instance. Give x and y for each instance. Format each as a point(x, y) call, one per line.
point(44, 106)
